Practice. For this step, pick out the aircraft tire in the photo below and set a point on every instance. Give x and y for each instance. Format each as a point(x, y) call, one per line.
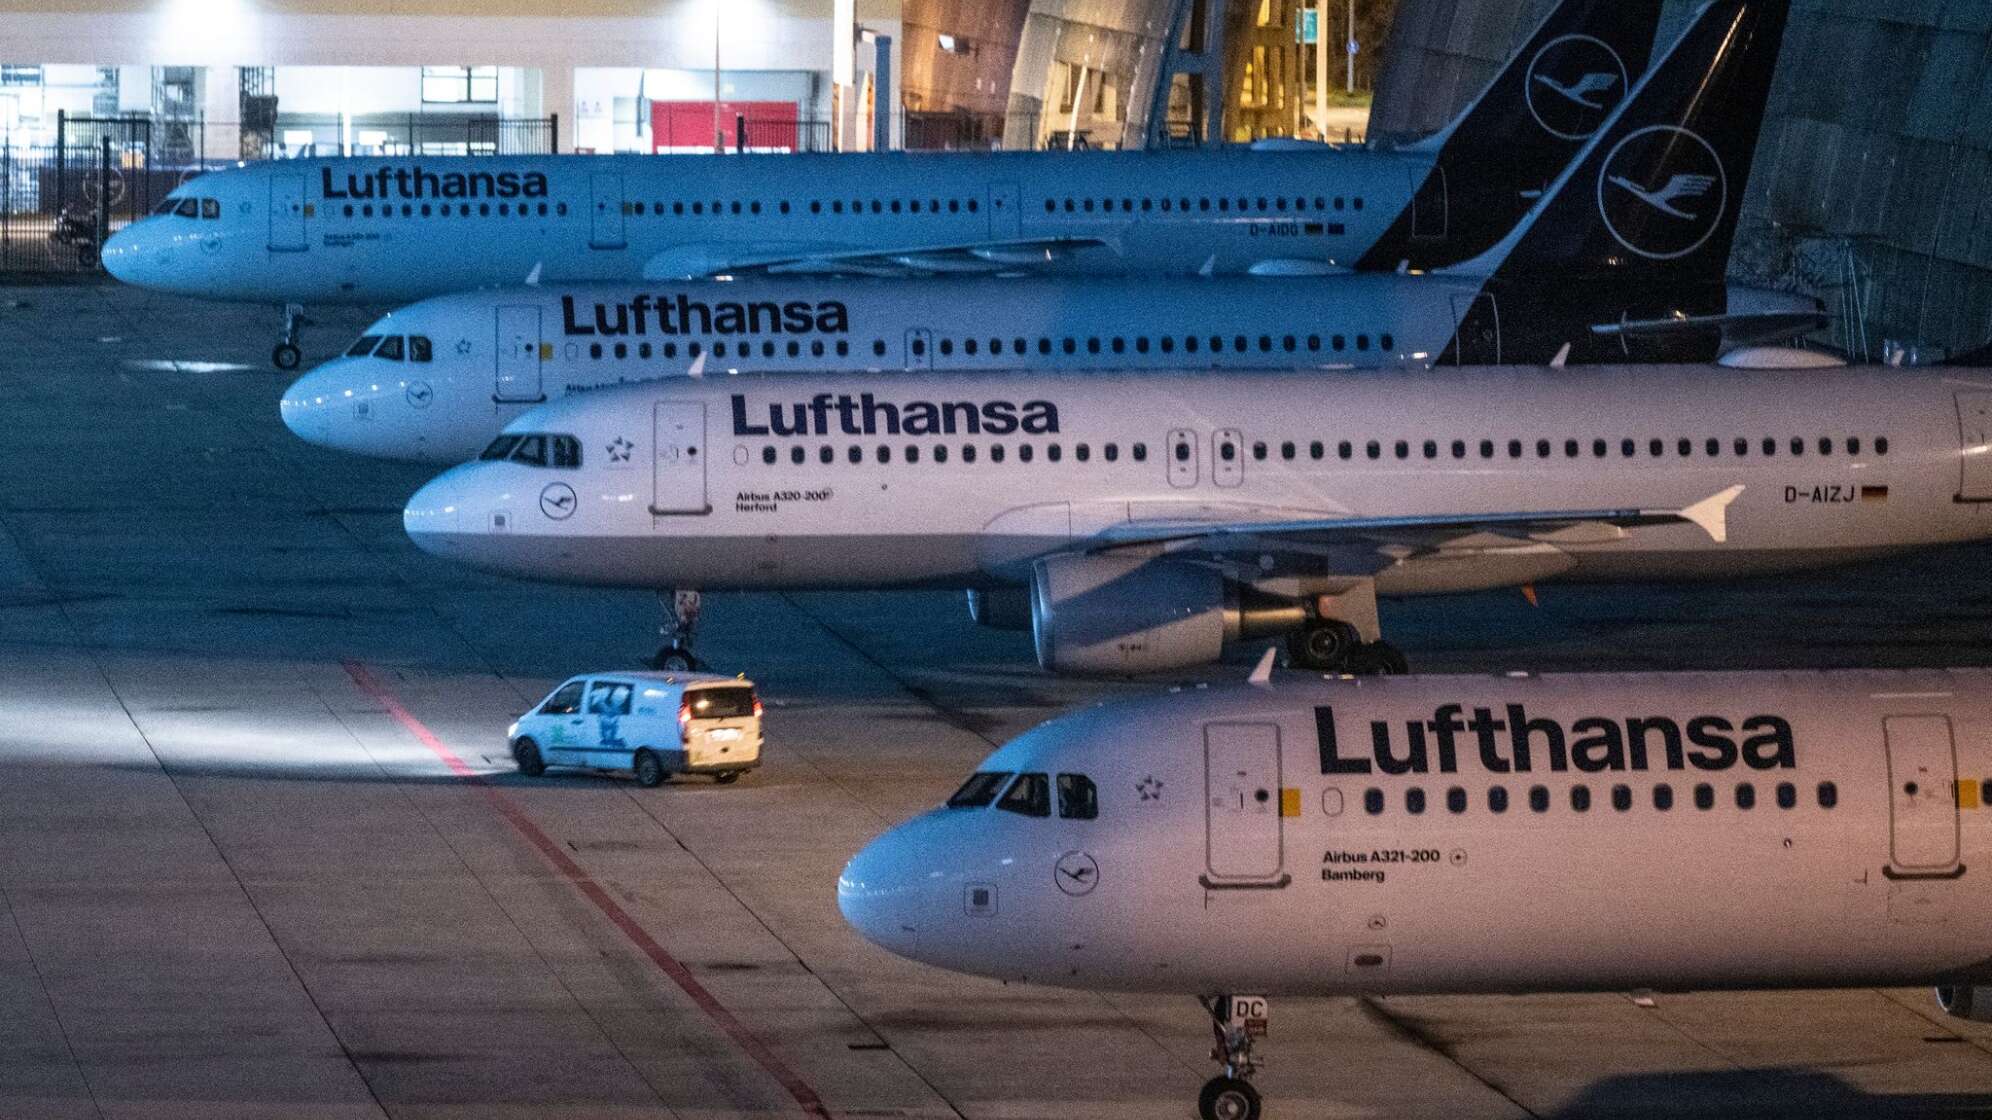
point(1228, 1098)
point(649, 769)
point(1327, 647)
point(286, 357)
point(526, 754)
point(675, 659)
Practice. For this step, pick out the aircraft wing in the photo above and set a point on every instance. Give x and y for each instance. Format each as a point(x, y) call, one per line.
point(1358, 546)
point(914, 260)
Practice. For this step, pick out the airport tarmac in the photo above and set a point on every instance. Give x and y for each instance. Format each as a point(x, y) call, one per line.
point(262, 853)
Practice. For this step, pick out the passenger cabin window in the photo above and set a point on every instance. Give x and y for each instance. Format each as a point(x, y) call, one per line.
point(1078, 798)
point(979, 790)
point(565, 701)
point(1029, 796)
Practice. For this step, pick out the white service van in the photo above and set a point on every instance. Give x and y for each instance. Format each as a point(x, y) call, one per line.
point(650, 724)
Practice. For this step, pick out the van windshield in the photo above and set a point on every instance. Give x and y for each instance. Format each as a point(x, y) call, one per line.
point(729, 702)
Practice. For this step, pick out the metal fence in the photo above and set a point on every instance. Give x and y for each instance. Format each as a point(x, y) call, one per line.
point(59, 202)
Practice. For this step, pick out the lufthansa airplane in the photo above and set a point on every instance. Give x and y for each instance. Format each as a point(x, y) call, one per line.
point(396, 229)
point(1139, 522)
point(1464, 834)
point(434, 382)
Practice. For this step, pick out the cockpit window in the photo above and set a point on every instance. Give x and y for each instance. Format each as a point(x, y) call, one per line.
point(500, 448)
point(364, 346)
point(210, 208)
point(566, 452)
point(166, 207)
point(1078, 798)
point(390, 348)
point(419, 349)
point(531, 451)
point(1029, 795)
point(188, 208)
point(979, 790)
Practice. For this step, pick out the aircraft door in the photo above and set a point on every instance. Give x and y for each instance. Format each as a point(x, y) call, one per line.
point(1430, 207)
point(1477, 339)
point(1227, 465)
point(607, 231)
point(1243, 806)
point(919, 348)
point(1974, 430)
point(287, 214)
point(1182, 455)
point(519, 354)
point(678, 470)
point(1006, 213)
point(1922, 807)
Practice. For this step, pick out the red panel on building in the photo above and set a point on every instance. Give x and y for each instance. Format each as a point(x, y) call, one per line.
point(687, 126)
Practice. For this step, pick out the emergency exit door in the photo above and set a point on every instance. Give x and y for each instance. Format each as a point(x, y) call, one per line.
point(606, 232)
point(1180, 449)
point(1974, 432)
point(1922, 806)
point(1006, 212)
point(517, 359)
point(678, 470)
point(1244, 844)
point(287, 214)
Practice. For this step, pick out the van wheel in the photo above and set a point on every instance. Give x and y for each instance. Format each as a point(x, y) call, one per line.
point(649, 769)
point(726, 778)
point(526, 753)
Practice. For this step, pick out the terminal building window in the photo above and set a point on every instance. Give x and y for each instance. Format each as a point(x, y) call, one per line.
point(460, 85)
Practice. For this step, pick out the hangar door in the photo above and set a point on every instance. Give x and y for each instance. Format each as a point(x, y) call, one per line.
point(1244, 843)
point(678, 472)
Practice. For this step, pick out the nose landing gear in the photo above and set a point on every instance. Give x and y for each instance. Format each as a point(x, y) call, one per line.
point(1236, 1021)
point(681, 624)
point(286, 355)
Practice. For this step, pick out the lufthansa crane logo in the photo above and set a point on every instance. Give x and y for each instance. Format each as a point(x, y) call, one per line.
point(1076, 873)
point(1663, 192)
point(557, 501)
point(1573, 84)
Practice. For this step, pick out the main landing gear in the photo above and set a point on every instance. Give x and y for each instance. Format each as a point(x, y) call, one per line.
point(1337, 647)
point(681, 624)
point(286, 356)
point(1344, 635)
point(1236, 1021)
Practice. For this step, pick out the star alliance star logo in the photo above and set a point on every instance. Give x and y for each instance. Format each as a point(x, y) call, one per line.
point(1150, 788)
point(620, 450)
point(463, 346)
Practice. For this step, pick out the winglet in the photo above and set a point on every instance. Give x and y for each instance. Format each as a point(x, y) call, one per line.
point(698, 365)
point(1711, 514)
point(1562, 357)
point(1209, 267)
point(533, 277)
point(1262, 675)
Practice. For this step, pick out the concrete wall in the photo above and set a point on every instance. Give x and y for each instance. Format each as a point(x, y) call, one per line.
point(1875, 162)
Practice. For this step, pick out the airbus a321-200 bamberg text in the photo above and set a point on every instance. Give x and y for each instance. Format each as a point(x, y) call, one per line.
point(1456, 834)
point(388, 230)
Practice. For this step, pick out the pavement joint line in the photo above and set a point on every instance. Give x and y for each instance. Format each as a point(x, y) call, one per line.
point(1407, 1028)
point(791, 1082)
point(41, 981)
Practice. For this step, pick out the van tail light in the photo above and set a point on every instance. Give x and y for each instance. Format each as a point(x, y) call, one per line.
point(757, 707)
point(685, 712)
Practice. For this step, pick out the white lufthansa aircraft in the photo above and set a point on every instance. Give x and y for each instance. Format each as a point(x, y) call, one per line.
point(396, 229)
point(434, 382)
point(1464, 834)
point(1154, 517)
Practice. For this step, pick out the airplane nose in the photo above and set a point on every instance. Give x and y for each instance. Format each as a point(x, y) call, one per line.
point(306, 408)
point(121, 254)
point(431, 516)
point(882, 893)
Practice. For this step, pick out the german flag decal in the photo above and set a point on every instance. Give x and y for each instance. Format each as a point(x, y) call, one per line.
point(1874, 493)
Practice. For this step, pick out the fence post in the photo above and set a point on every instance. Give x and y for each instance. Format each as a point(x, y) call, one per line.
point(6, 194)
point(739, 133)
point(103, 198)
point(553, 134)
point(61, 156)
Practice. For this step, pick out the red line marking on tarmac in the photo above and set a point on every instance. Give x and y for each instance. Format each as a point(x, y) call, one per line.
point(790, 1081)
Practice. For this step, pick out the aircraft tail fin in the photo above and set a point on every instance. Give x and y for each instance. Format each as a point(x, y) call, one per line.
point(1656, 191)
point(1523, 129)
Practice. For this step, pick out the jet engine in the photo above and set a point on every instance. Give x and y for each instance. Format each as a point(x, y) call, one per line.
point(1115, 615)
point(1965, 1001)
